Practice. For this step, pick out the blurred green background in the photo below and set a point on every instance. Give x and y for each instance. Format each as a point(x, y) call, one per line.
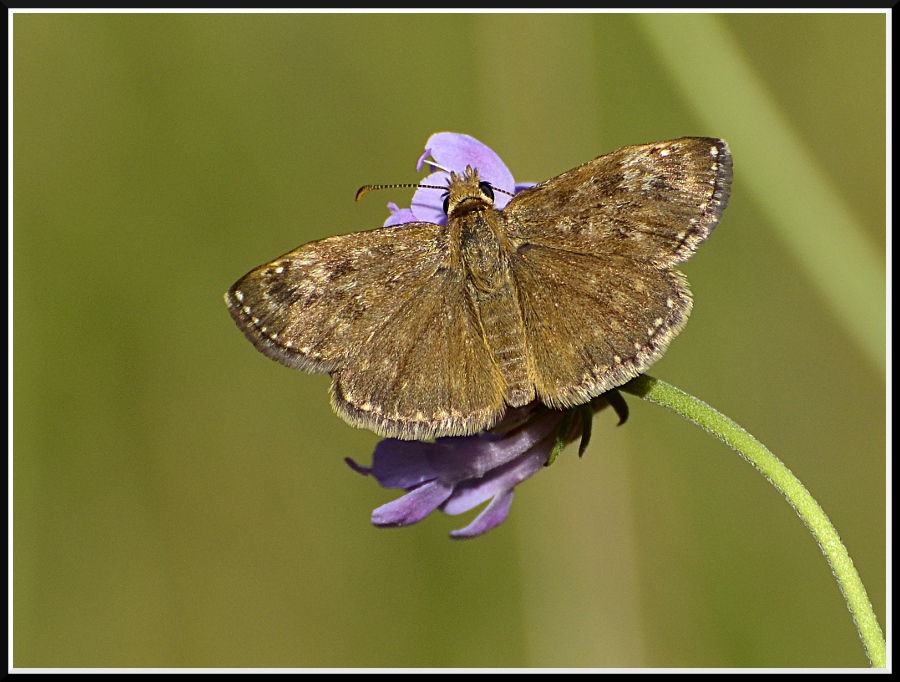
point(180, 500)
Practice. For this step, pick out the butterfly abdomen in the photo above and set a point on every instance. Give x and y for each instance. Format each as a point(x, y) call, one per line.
point(505, 337)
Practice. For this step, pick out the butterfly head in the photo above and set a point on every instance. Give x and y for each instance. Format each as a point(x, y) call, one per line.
point(467, 191)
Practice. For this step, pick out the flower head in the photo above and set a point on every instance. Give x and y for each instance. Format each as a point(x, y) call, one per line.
point(456, 474)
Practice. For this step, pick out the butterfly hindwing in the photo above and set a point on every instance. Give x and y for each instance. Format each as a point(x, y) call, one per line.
point(588, 328)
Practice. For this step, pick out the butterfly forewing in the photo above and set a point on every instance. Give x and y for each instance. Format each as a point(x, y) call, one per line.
point(385, 311)
point(653, 203)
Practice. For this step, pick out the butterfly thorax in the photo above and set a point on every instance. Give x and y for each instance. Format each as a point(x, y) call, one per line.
point(476, 230)
point(480, 250)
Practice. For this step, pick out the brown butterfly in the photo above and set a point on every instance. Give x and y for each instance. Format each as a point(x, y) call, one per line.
point(434, 330)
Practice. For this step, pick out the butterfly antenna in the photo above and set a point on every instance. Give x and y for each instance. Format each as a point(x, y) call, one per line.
point(365, 189)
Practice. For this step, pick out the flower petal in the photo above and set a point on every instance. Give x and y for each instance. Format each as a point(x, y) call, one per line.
point(358, 468)
point(490, 517)
point(403, 464)
point(425, 155)
point(399, 215)
point(428, 204)
point(455, 151)
point(471, 457)
point(471, 493)
point(412, 507)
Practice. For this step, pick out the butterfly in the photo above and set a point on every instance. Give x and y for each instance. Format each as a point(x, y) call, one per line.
point(434, 330)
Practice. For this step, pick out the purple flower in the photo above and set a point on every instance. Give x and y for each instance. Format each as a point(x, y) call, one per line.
point(453, 151)
point(457, 473)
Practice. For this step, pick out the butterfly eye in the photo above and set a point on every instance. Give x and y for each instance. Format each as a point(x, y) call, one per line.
point(447, 203)
point(487, 190)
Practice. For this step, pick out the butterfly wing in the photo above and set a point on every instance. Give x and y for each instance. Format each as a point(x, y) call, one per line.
point(387, 314)
point(592, 323)
point(653, 203)
point(592, 262)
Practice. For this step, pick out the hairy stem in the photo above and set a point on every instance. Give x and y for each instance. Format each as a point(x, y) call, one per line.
point(726, 430)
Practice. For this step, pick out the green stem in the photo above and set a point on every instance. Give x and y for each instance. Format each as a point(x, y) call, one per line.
point(723, 428)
